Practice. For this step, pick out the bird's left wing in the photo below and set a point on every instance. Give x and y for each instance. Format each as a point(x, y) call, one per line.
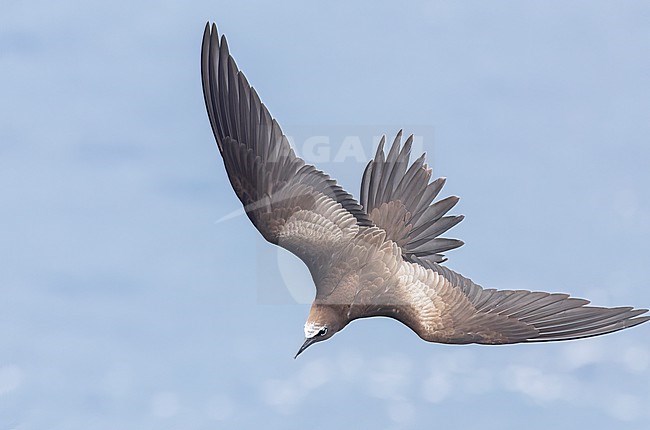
point(291, 203)
point(440, 305)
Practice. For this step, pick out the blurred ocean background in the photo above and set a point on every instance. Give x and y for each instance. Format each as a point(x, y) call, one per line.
point(127, 301)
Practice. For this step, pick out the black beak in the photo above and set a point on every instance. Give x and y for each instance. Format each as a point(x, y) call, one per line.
point(305, 345)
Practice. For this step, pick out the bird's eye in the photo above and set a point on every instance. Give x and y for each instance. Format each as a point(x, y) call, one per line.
point(322, 331)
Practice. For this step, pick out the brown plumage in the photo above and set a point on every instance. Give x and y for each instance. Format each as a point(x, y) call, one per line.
point(382, 256)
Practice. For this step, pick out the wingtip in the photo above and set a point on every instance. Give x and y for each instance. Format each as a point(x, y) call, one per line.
point(398, 136)
point(420, 159)
point(380, 147)
point(409, 140)
point(206, 39)
point(638, 320)
point(210, 28)
point(223, 44)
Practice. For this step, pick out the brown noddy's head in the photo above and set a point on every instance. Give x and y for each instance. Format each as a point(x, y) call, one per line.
point(323, 322)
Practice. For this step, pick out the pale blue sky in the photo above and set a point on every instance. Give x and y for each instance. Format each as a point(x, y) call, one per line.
point(125, 304)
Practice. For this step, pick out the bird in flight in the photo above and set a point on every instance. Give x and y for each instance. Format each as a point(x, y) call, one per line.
point(381, 256)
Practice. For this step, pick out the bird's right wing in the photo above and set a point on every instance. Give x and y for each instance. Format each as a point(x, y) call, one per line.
point(291, 203)
point(398, 198)
point(442, 306)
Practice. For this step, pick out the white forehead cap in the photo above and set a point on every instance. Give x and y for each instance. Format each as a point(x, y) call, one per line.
point(311, 329)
